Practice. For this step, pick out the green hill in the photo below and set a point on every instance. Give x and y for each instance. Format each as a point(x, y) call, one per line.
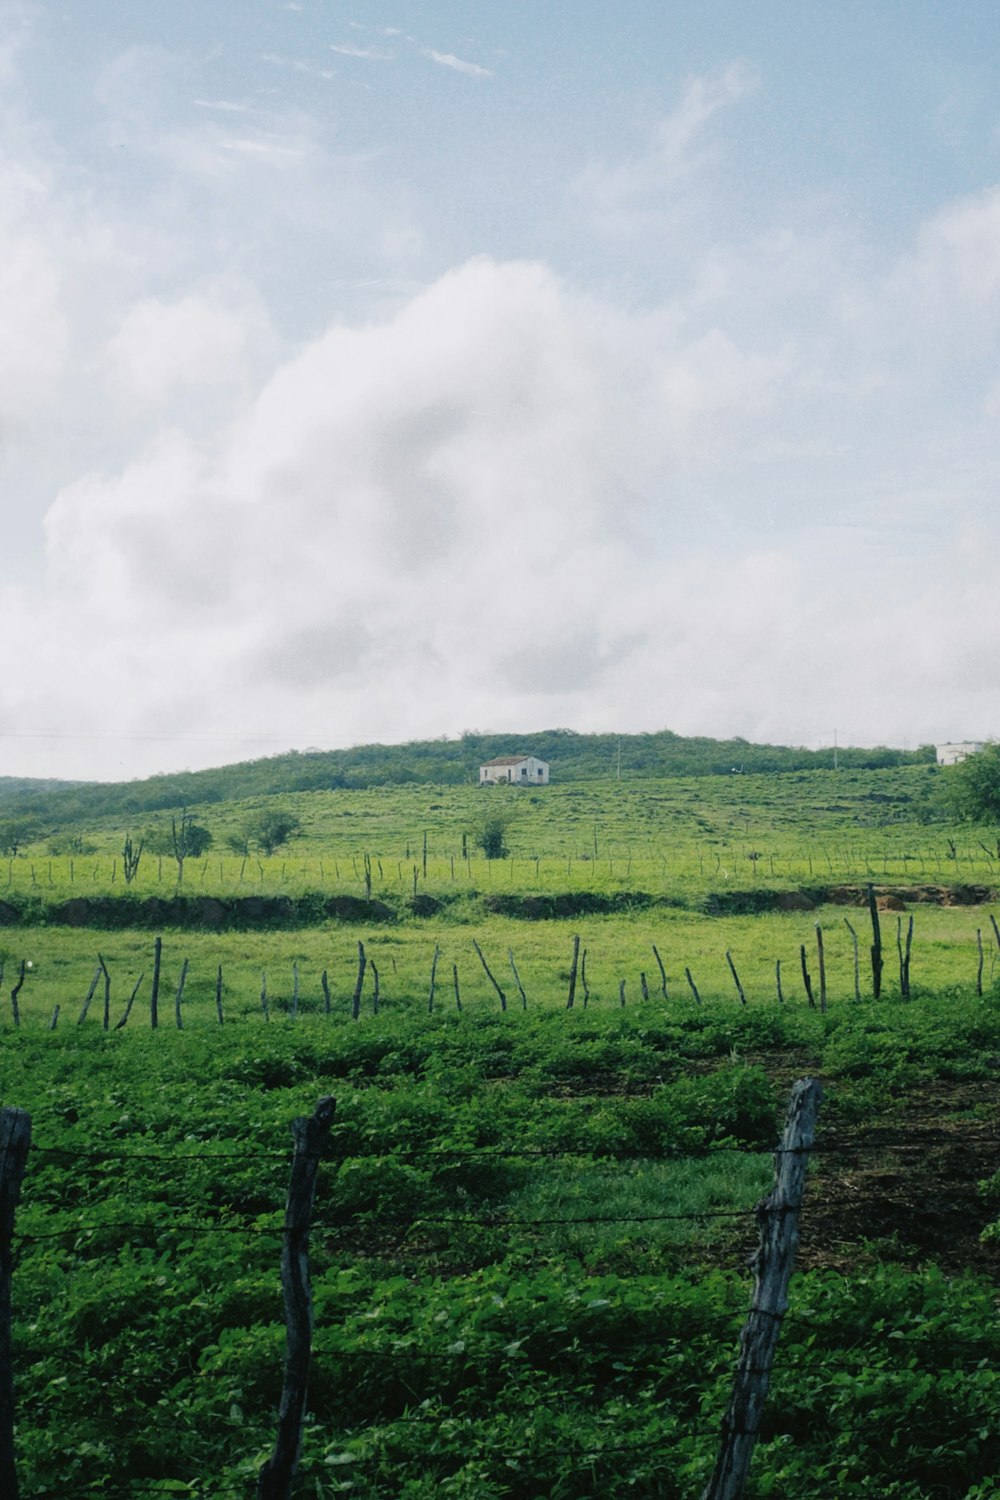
point(442, 762)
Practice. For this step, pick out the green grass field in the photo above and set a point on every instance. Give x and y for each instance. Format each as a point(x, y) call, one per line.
point(530, 1252)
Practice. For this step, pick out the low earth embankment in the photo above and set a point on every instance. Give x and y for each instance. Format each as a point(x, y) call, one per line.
point(244, 913)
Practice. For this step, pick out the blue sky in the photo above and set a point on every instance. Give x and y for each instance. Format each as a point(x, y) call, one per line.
point(380, 370)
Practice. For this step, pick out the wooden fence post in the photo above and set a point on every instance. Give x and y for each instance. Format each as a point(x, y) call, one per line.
point(663, 972)
point(807, 982)
point(571, 998)
point(876, 944)
point(482, 960)
point(857, 964)
point(736, 978)
point(359, 983)
point(15, 1009)
point(434, 965)
point(821, 960)
point(310, 1135)
point(778, 1218)
point(178, 1018)
point(154, 996)
point(131, 1001)
point(89, 996)
point(517, 979)
point(107, 993)
point(15, 1138)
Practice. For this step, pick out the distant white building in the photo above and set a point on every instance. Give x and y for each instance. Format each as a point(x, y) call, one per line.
point(519, 770)
point(950, 755)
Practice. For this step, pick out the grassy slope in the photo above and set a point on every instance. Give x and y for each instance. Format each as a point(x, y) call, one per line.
point(459, 1353)
point(574, 757)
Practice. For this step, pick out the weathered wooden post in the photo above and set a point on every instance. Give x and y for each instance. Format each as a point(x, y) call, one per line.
point(359, 982)
point(131, 1001)
point(876, 944)
point(310, 1135)
point(821, 961)
point(857, 961)
point(489, 975)
point(154, 998)
point(107, 993)
point(178, 1018)
point(806, 980)
point(904, 956)
point(694, 987)
point(434, 965)
point(15, 1009)
point(571, 998)
point(517, 979)
point(778, 1219)
point(89, 996)
point(663, 972)
point(15, 1138)
point(736, 977)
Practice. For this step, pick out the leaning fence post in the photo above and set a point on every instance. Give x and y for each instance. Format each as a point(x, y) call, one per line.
point(15, 1138)
point(310, 1135)
point(778, 1218)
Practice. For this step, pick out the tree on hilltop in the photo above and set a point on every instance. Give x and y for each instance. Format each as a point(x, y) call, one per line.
point(975, 786)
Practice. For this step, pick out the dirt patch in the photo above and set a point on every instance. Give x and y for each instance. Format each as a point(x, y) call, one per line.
point(888, 898)
point(908, 1188)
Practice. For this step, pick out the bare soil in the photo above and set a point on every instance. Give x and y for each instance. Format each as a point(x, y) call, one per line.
point(909, 1187)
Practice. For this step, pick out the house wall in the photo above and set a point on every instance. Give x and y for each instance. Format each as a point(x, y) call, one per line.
point(537, 773)
point(950, 755)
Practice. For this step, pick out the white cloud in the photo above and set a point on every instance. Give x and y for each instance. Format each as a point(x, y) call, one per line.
point(457, 64)
point(371, 54)
point(191, 342)
point(619, 192)
point(421, 523)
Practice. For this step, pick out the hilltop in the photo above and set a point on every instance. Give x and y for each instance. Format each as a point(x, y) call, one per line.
point(442, 762)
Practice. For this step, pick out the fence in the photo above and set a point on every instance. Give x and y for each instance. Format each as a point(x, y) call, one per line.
point(812, 963)
point(777, 1219)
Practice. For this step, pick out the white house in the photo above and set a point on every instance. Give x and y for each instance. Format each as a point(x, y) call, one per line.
point(519, 770)
point(950, 755)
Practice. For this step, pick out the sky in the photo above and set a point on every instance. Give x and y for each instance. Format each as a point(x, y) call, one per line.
point(385, 370)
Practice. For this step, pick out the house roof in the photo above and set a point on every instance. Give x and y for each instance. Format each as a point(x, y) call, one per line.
point(509, 760)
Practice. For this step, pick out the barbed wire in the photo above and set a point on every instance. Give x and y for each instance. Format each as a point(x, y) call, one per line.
point(914, 1140)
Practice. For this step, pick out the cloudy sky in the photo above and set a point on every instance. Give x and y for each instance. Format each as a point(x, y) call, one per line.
point(382, 370)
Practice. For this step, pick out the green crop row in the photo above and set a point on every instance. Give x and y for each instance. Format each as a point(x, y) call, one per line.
point(528, 1255)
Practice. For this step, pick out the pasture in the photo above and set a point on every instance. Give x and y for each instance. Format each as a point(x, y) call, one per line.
point(532, 1224)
